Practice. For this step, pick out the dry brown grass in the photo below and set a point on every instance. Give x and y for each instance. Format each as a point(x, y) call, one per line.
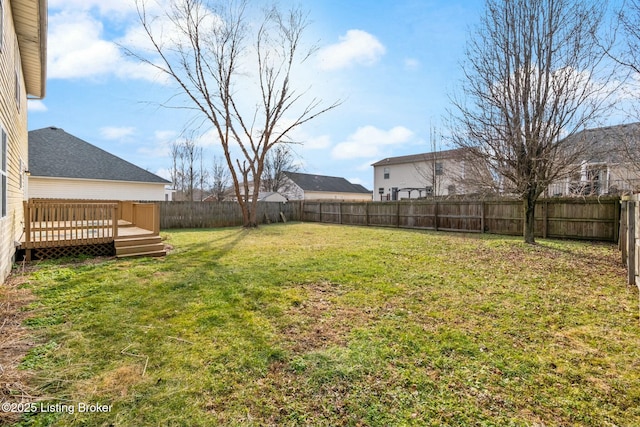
point(15, 342)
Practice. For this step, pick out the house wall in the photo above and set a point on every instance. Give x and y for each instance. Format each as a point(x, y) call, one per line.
point(65, 188)
point(418, 175)
point(13, 119)
point(322, 195)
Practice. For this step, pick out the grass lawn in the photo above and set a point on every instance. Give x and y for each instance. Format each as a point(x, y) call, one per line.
point(311, 324)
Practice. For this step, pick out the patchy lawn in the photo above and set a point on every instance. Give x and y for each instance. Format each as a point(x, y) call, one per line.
point(310, 324)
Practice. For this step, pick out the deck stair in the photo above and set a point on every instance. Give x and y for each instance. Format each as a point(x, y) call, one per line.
point(138, 245)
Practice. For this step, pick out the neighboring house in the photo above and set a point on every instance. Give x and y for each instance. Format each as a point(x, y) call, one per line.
point(262, 197)
point(62, 166)
point(440, 173)
point(271, 197)
point(610, 164)
point(304, 186)
point(23, 32)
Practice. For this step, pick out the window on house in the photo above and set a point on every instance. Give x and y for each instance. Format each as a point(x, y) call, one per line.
point(3, 174)
point(386, 173)
point(439, 169)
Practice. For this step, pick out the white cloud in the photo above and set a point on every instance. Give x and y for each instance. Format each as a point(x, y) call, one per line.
point(357, 47)
point(104, 7)
point(77, 49)
point(165, 135)
point(164, 173)
point(113, 132)
point(156, 151)
point(318, 143)
point(411, 64)
point(36, 106)
point(368, 142)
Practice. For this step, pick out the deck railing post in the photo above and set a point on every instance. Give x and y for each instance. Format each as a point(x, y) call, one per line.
point(27, 223)
point(114, 221)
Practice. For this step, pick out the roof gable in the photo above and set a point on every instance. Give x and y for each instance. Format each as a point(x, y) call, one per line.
point(309, 182)
point(422, 157)
point(57, 154)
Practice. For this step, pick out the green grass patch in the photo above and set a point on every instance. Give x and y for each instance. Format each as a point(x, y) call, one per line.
point(310, 324)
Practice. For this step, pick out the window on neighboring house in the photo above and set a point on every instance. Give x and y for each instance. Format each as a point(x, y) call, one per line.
point(3, 174)
point(439, 170)
point(386, 173)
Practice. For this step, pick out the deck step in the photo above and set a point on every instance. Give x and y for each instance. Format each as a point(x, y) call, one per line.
point(139, 246)
point(139, 249)
point(137, 241)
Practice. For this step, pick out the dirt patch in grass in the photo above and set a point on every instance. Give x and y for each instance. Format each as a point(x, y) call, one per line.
point(117, 382)
point(15, 342)
point(319, 320)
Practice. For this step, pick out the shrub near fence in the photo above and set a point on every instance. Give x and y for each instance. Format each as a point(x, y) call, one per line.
point(588, 219)
point(221, 214)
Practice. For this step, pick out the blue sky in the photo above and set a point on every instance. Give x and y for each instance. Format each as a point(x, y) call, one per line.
point(392, 62)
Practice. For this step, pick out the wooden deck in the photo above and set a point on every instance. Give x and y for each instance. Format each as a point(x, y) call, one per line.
point(51, 224)
point(68, 233)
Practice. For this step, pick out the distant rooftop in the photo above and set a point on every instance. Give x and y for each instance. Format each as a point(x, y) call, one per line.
point(57, 154)
point(422, 157)
point(335, 184)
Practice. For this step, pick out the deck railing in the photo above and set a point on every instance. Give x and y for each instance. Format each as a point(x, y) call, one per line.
point(51, 223)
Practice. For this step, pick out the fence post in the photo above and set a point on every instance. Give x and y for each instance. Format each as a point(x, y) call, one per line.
point(482, 217)
point(622, 239)
point(398, 214)
point(545, 219)
point(616, 222)
point(631, 242)
point(366, 213)
point(435, 220)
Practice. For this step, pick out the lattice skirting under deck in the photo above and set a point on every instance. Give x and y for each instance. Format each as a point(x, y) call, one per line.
point(105, 249)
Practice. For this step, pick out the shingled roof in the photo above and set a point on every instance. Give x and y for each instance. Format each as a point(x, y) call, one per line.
point(333, 184)
point(422, 157)
point(57, 154)
point(607, 144)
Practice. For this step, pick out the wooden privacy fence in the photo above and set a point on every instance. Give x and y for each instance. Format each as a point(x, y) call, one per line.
point(221, 214)
point(629, 242)
point(574, 218)
point(54, 223)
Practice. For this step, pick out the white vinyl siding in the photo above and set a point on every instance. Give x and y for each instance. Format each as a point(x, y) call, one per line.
point(3, 174)
point(85, 189)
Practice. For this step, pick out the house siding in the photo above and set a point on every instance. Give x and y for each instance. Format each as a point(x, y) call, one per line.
point(13, 119)
point(85, 189)
point(325, 195)
point(418, 175)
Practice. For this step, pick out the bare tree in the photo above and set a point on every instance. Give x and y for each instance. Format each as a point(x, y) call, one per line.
point(207, 54)
point(534, 75)
point(279, 160)
point(431, 170)
point(191, 154)
point(177, 176)
point(220, 178)
point(629, 58)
